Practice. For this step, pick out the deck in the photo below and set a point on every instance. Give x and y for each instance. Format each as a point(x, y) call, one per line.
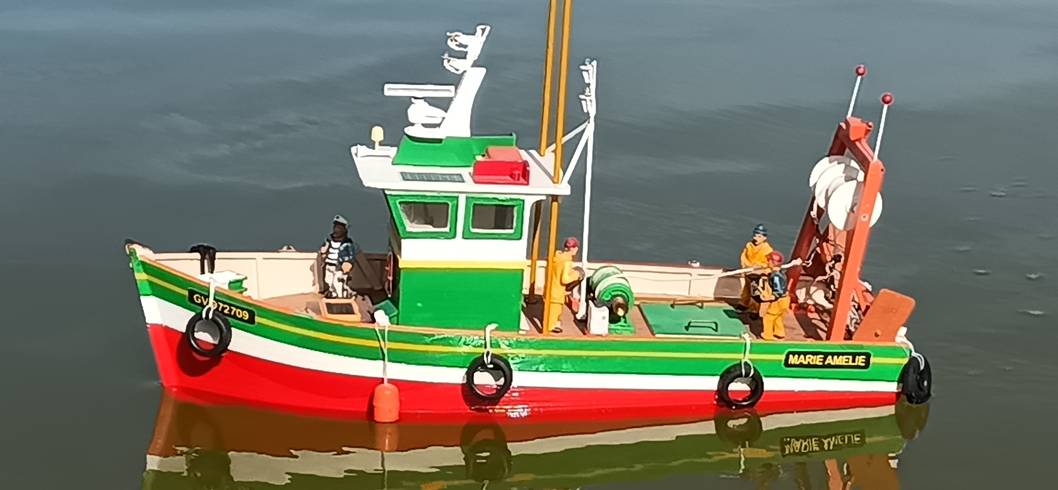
point(288, 281)
point(799, 327)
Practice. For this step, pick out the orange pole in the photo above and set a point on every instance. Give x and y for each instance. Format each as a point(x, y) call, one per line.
point(852, 136)
point(560, 121)
point(545, 125)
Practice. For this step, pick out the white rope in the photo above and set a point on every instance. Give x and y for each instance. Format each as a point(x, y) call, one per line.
point(383, 343)
point(921, 360)
point(745, 356)
point(741, 460)
point(207, 312)
point(700, 276)
point(488, 343)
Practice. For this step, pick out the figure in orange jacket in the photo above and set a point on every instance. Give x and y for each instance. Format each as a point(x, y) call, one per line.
point(755, 254)
point(563, 278)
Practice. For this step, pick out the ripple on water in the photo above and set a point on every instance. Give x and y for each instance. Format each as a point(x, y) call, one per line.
point(982, 272)
point(968, 188)
point(962, 248)
point(1032, 276)
point(1033, 312)
point(998, 193)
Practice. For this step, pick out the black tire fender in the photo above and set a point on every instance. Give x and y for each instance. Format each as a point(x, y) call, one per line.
point(498, 363)
point(734, 373)
point(916, 380)
point(199, 321)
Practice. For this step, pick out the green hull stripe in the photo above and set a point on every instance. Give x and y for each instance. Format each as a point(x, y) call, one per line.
point(614, 355)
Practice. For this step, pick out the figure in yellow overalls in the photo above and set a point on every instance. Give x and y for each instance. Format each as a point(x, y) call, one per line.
point(780, 300)
point(754, 255)
point(563, 277)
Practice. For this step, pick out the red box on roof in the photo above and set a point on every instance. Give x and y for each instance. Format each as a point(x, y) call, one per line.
point(501, 165)
point(503, 153)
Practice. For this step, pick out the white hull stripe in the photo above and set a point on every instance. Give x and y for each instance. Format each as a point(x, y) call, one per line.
point(157, 311)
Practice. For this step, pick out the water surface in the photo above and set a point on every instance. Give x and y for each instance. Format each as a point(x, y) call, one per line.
point(174, 123)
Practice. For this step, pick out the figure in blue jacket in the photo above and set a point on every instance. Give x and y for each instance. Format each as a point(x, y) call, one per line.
point(339, 253)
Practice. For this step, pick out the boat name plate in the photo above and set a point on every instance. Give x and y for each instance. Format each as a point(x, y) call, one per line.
point(229, 310)
point(827, 360)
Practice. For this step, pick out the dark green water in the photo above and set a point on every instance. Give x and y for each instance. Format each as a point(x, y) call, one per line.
point(186, 121)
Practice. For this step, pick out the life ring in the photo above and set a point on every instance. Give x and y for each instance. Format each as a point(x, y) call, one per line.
point(500, 366)
point(743, 434)
point(486, 456)
point(735, 373)
point(222, 337)
point(916, 380)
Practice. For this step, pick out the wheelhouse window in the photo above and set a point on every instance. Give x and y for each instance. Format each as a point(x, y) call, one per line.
point(425, 216)
point(493, 218)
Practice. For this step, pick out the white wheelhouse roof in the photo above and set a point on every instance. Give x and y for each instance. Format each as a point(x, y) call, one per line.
point(377, 171)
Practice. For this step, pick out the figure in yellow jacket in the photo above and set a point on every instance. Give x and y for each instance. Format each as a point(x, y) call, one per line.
point(755, 254)
point(563, 277)
point(780, 300)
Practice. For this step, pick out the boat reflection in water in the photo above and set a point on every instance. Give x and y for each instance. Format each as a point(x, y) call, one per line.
point(230, 447)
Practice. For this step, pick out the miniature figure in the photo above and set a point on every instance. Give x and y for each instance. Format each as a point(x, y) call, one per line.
point(755, 254)
point(777, 301)
point(566, 275)
point(338, 253)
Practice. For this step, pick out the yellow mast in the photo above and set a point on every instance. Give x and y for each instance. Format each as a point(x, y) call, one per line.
point(545, 125)
point(560, 120)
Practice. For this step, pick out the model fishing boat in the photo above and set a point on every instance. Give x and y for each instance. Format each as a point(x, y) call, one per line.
point(451, 319)
point(201, 446)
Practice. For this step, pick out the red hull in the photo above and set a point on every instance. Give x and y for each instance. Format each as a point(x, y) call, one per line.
point(238, 378)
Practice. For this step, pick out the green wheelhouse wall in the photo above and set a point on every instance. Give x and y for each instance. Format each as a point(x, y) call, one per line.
point(461, 298)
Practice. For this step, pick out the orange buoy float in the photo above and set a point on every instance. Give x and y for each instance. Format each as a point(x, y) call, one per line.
point(386, 403)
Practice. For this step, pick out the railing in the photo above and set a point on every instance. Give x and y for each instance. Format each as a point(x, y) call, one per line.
point(271, 274)
point(650, 280)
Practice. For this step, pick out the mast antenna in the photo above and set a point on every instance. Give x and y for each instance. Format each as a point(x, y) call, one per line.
point(887, 100)
point(861, 71)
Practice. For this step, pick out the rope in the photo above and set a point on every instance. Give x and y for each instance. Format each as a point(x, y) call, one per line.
point(383, 343)
point(921, 360)
point(207, 312)
point(694, 277)
point(488, 343)
point(745, 356)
